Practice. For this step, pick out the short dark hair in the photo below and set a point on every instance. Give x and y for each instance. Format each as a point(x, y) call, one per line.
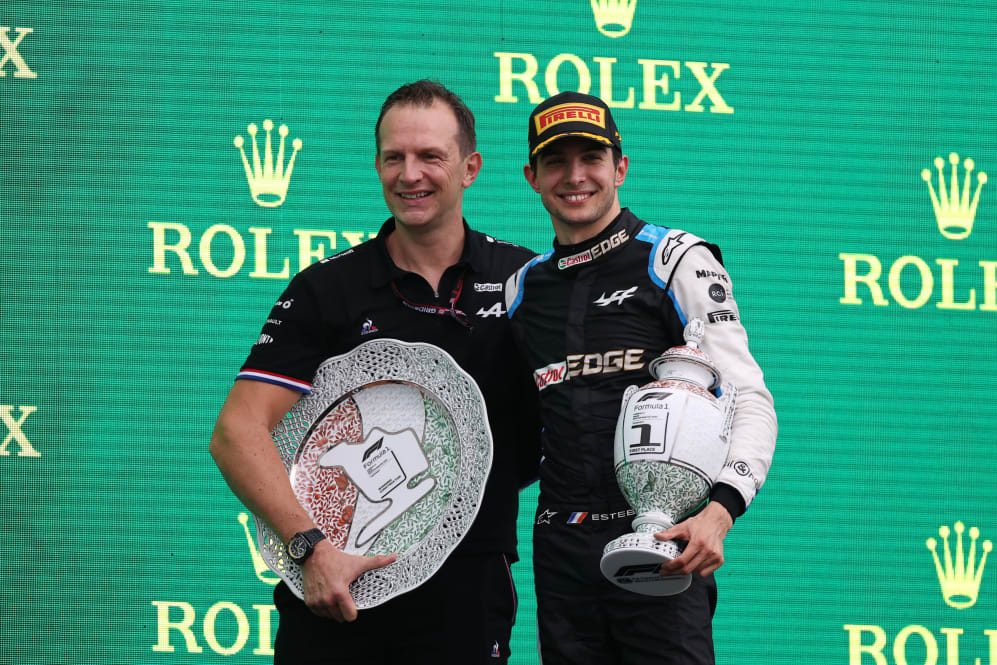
point(424, 93)
point(617, 156)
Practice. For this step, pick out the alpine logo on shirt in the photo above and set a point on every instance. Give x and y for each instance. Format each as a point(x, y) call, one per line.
point(495, 310)
point(618, 297)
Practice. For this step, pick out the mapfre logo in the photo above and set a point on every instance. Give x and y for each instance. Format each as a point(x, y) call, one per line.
point(911, 280)
point(178, 624)
point(11, 54)
point(959, 569)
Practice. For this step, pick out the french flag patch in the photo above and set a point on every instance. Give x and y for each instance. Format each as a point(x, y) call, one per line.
point(576, 518)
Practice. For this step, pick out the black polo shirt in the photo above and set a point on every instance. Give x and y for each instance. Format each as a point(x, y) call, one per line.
point(360, 294)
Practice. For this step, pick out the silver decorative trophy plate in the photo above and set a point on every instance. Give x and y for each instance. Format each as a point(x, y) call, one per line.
point(389, 453)
point(671, 444)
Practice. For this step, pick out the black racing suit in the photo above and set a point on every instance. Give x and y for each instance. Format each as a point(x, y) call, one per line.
point(590, 317)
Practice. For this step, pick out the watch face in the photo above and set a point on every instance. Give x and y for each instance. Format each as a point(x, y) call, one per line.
point(298, 547)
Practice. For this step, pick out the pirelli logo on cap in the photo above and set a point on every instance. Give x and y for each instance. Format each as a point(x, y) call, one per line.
point(573, 112)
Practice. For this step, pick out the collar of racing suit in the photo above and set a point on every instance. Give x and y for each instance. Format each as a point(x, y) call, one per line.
point(617, 234)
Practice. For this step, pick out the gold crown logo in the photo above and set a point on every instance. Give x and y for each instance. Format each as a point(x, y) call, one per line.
point(953, 209)
point(268, 180)
point(614, 17)
point(960, 581)
point(260, 567)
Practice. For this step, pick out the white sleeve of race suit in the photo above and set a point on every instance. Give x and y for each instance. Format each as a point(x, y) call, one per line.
point(701, 287)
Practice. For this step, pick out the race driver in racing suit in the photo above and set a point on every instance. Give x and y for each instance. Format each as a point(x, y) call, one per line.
point(612, 294)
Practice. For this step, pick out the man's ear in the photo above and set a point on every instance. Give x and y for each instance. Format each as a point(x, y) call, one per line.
point(473, 162)
point(531, 177)
point(621, 170)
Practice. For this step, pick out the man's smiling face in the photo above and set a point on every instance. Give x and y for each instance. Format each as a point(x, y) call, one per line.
point(577, 181)
point(423, 174)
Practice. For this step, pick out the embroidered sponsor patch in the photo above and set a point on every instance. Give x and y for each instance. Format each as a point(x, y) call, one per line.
point(574, 260)
point(573, 112)
point(551, 374)
point(722, 315)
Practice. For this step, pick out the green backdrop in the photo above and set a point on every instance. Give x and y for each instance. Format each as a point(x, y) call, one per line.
point(137, 269)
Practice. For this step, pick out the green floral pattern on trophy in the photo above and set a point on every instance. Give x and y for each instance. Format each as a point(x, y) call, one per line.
point(663, 488)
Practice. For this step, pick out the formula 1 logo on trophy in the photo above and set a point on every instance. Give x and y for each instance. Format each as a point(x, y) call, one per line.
point(390, 452)
point(672, 438)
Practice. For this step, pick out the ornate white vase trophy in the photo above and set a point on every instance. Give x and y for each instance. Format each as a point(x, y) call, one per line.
point(671, 443)
point(390, 452)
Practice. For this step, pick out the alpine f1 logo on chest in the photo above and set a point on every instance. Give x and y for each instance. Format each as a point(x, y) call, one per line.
point(592, 253)
point(618, 297)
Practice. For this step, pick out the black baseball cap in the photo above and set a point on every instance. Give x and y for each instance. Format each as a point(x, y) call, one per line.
point(572, 114)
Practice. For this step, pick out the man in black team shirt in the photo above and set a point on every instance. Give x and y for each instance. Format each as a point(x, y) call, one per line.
point(614, 293)
point(426, 277)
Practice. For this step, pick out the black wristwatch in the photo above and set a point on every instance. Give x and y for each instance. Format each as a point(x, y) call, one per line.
point(302, 544)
